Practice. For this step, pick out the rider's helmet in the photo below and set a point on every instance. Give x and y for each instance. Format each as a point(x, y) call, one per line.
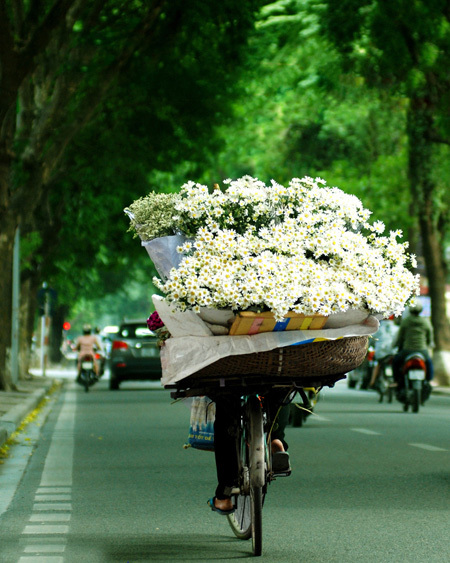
point(416, 309)
point(87, 329)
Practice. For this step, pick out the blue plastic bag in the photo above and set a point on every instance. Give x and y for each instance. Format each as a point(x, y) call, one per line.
point(201, 428)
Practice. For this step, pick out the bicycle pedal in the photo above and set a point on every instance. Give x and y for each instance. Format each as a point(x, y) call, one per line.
point(280, 462)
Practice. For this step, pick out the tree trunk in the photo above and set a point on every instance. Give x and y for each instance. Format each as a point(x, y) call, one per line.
point(28, 293)
point(420, 125)
point(432, 250)
point(6, 259)
point(46, 100)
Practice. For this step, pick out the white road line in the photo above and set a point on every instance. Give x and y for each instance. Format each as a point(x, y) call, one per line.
point(428, 447)
point(366, 431)
point(52, 507)
point(45, 548)
point(59, 461)
point(63, 506)
point(53, 490)
point(41, 559)
point(46, 529)
point(47, 498)
point(50, 517)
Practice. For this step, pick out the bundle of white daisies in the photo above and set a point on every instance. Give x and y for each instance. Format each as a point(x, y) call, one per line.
point(304, 248)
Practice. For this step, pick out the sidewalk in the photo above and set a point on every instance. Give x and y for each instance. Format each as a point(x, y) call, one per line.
point(437, 390)
point(15, 406)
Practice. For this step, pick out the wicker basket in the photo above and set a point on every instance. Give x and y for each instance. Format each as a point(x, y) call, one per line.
point(313, 360)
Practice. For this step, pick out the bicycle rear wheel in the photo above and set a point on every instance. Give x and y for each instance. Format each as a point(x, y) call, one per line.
point(241, 520)
point(246, 521)
point(256, 510)
point(257, 469)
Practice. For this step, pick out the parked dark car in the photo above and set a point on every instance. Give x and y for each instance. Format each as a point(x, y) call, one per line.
point(134, 354)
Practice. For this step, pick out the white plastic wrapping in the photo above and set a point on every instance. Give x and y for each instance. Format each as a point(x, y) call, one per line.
point(180, 324)
point(163, 253)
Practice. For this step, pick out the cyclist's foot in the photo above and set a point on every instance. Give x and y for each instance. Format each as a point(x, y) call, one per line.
point(222, 506)
point(277, 446)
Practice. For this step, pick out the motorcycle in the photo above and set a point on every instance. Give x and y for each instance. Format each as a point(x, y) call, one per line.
point(299, 412)
point(385, 383)
point(362, 374)
point(87, 376)
point(416, 388)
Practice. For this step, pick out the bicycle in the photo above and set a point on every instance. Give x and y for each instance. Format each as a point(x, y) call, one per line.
point(251, 378)
point(255, 472)
point(253, 426)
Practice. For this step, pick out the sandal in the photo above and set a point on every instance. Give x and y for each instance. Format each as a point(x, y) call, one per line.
point(215, 509)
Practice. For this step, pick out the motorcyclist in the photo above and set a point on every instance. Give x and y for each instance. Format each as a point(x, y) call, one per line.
point(100, 353)
point(384, 340)
point(415, 335)
point(87, 345)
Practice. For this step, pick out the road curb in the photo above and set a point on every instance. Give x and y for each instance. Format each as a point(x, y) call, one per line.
point(440, 391)
point(11, 420)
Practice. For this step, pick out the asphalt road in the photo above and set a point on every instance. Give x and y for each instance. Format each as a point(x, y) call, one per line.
point(106, 479)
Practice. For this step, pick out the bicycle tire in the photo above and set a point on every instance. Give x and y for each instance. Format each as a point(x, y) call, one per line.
point(256, 511)
point(256, 443)
point(257, 470)
point(241, 520)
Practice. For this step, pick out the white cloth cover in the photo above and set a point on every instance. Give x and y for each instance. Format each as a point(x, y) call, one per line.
point(184, 354)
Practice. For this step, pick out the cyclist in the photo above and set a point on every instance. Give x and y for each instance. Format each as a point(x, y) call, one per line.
point(87, 345)
point(227, 418)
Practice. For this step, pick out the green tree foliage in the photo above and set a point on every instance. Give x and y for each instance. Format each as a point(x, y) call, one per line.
point(144, 125)
point(67, 64)
point(402, 47)
point(299, 113)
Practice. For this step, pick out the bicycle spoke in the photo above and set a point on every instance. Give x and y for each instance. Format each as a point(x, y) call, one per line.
point(241, 521)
